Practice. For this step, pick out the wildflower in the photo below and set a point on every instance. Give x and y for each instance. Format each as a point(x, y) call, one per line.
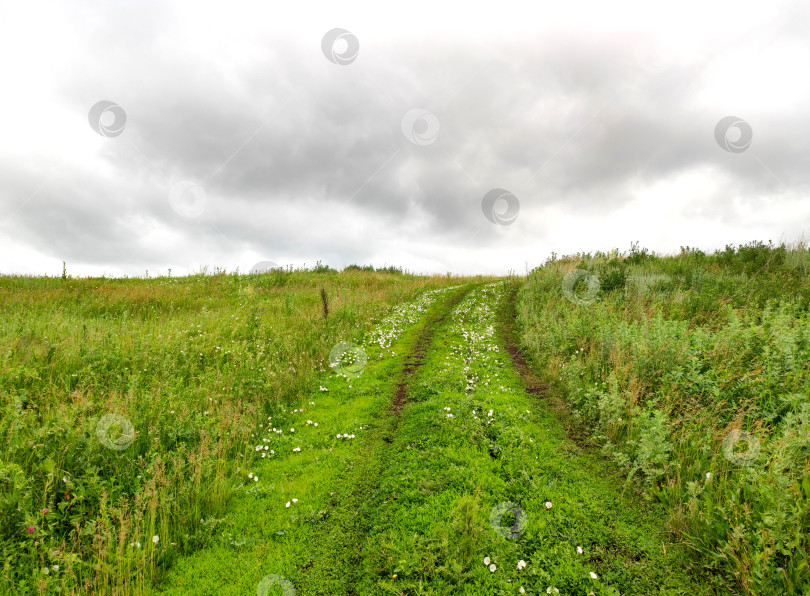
point(548, 504)
point(297, 449)
point(46, 510)
point(31, 529)
point(288, 504)
point(549, 590)
point(250, 475)
point(55, 567)
point(295, 500)
point(138, 544)
point(155, 539)
point(492, 568)
point(45, 570)
point(316, 424)
point(255, 478)
point(522, 590)
point(486, 560)
point(593, 575)
point(292, 430)
point(708, 475)
point(521, 564)
point(579, 549)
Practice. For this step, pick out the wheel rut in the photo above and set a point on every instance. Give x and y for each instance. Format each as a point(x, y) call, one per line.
point(423, 341)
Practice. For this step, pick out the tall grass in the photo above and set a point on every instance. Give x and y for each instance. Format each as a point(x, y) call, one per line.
point(678, 358)
point(195, 364)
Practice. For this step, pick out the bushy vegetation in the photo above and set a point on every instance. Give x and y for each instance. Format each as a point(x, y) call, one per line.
point(692, 371)
point(371, 269)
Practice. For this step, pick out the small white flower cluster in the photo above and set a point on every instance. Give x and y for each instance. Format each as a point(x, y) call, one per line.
point(255, 478)
point(492, 566)
point(294, 501)
point(449, 415)
point(296, 449)
point(339, 436)
point(312, 423)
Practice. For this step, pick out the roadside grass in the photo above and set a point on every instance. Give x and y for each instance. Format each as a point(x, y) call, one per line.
point(192, 366)
point(691, 372)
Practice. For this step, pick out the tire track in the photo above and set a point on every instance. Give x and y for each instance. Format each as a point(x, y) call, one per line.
point(333, 568)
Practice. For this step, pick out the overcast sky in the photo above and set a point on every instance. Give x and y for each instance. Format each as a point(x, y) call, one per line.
point(464, 138)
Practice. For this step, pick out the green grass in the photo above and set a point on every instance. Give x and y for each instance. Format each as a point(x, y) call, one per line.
point(196, 365)
point(630, 399)
point(673, 361)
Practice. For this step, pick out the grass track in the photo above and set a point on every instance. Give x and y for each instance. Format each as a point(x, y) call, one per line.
point(406, 508)
point(310, 542)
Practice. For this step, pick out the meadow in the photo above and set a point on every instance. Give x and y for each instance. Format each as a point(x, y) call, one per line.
point(609, 424)
point(691, 372)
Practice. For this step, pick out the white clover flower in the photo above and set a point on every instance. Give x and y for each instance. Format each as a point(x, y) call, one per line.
point(521, 564)
point(492, 568)
point(548, 504)
point(295, 500)
point(486, 560)
point(250, 475)
point(708, 475)
point(579, 549)
point(256, 478)
point(296, 449)
point(288, 503)
point(522, 590)
point(593, 575)
point(155, 539)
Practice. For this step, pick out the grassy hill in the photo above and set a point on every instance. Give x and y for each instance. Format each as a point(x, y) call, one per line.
point(612, 424)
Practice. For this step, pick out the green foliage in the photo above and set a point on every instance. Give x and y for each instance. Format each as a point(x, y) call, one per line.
point(699, 346)
point(194, 363)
